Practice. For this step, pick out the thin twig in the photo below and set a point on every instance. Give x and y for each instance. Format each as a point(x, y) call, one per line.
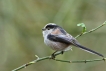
point(81, 61)
point(30, 63)
point(92, 30)
point(48, 57)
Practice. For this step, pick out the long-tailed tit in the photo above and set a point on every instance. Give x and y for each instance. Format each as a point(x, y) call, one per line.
point(59, 40)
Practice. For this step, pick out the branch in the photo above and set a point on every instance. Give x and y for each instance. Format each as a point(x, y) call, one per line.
point(81, 61)
point(92, 30)
point(49, 57)
point(32, 62)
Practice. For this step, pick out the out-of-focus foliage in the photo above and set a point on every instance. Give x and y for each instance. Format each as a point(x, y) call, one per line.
point(21, 38)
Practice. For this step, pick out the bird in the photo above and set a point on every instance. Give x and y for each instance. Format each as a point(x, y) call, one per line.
point(59, 40)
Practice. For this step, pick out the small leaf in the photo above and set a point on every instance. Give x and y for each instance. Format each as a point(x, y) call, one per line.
point(83, 26)
point(79, 24)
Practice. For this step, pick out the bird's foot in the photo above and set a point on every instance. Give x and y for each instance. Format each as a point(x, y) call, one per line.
point(53, 56)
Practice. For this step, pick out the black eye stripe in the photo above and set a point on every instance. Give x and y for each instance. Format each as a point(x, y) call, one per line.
point(51, 26)
point(54, 27)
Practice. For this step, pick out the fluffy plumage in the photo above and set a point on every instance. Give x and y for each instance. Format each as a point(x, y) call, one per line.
point(59, 40)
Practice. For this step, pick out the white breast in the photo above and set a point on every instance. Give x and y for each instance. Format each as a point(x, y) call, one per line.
point(55, 45)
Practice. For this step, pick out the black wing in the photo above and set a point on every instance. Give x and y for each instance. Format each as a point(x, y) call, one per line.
point(70, 40)
point(59, 38)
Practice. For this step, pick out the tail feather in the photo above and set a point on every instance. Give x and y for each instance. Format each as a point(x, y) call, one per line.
point(89, 50)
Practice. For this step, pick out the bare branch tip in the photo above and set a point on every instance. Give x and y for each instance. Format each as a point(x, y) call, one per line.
point(37, 57)
point(32, 62)
point(104, 22)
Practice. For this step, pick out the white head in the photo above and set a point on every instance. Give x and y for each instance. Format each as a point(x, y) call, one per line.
point(48, 28)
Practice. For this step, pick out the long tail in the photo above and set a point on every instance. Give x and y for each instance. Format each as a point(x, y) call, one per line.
point(89, 50)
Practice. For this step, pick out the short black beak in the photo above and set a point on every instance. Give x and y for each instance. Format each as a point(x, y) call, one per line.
point(43, 29)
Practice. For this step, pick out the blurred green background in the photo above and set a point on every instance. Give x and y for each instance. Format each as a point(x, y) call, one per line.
point(21, 38)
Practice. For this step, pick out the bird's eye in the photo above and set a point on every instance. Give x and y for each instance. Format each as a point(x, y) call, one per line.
point(48, 28)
